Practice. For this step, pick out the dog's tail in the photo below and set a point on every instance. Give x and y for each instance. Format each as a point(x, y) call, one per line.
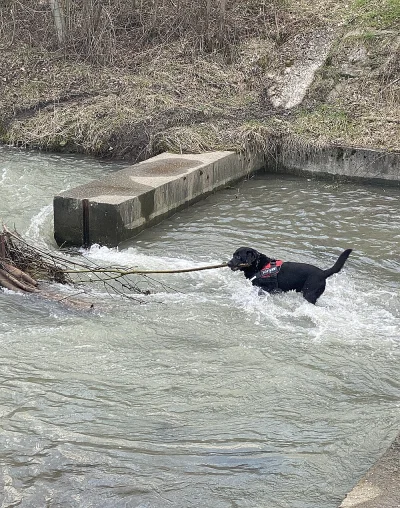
point(339, 263)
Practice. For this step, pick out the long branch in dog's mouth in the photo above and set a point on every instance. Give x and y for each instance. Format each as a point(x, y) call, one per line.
point(235, 268)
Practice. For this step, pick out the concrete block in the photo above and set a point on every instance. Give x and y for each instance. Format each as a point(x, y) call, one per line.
point(116, 208)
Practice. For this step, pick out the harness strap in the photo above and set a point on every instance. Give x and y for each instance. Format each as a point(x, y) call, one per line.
point(270, 271)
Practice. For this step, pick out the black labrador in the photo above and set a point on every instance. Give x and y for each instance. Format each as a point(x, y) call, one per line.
point(275, 276)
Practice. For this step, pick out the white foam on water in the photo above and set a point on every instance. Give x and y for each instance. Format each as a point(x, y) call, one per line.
point(3, 176)
point(349, 309)
point(38, 224)
point(135, 258)
point(345, 311)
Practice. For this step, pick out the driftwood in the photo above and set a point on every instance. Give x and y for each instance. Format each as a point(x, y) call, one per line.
point(25, 268)
point(15, 279)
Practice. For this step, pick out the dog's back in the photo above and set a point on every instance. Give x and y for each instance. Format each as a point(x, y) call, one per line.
point(293, 276)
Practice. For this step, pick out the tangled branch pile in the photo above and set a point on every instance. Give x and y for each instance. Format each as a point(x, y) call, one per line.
point(24, 267)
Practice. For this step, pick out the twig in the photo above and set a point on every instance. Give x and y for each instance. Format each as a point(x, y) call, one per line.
point(381, 118)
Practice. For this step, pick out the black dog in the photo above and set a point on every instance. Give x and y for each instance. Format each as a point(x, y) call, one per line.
point(276, 276)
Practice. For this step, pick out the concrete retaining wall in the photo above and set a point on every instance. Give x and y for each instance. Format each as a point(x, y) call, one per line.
point(380, 487)
point(367, 165)
point(117, 207)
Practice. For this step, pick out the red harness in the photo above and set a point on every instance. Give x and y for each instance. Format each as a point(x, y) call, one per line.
point(271, 269)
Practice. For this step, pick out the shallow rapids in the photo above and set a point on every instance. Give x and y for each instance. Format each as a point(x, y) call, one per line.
point(205, 394)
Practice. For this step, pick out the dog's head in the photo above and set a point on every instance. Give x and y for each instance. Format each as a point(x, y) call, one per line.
point(243, 258)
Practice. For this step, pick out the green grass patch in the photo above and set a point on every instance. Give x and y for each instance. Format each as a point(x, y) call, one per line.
point(381, 14)
point(326, 122)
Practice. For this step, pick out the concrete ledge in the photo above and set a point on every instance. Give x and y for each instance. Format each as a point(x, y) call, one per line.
point(351, 163)
point(380, 487)
point(117, 207)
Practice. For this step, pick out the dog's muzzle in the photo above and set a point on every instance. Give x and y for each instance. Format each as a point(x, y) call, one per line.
point(234, 267)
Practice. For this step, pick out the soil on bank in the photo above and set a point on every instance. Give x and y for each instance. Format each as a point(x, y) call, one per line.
point(241, 76)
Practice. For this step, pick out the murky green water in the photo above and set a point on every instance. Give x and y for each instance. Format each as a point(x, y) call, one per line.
point(207, 395)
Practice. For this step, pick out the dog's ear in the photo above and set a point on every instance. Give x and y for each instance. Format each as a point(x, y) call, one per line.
point(251, 256)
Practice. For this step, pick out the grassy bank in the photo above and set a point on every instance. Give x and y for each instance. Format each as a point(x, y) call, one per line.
point(129, 81)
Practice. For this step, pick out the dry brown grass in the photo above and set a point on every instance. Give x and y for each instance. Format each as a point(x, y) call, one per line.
point(135, 78)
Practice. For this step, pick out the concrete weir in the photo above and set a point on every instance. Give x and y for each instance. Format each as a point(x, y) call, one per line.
point(116, 208)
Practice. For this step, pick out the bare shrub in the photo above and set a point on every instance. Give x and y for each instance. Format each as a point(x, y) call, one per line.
point(105, 30)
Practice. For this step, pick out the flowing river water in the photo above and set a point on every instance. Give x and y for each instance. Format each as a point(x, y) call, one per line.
point(206, 395)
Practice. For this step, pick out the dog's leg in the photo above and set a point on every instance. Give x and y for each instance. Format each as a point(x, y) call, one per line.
point(312, 292)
